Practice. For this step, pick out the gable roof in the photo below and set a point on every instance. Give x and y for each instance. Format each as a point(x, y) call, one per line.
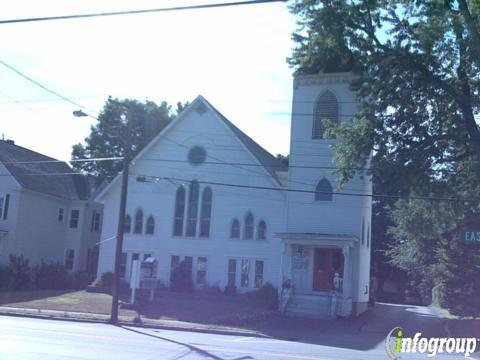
point(269, 162)
point(43, 174)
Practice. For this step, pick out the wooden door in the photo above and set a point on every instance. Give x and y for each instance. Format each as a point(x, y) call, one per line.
point(326, 263)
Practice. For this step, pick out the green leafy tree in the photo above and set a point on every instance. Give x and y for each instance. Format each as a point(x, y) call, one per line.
point(108, 137)
point(417, 66)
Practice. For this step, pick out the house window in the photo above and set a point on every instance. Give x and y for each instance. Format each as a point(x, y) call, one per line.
point(201, 270)
point(248, 233)
point(235, 229)
point(258, 273)
point(232, 272)
point(174, 263)
point(150, 225)
point(95, 225)
point(127, 225)
point(1, 206)
point(261, 230)
point(245, 270)
point(188, 260)
point(61, 212)
point(69, 257)
point(206, 212)
point(74, 217)
point(5, 207)
point(192, 211)
point(179, 212)
point(123, 265)
point(138, 227)
point(326, 109)
point(324, 191)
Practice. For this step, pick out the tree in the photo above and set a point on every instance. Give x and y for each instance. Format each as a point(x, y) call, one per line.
point(106, 138)
point(417, 66)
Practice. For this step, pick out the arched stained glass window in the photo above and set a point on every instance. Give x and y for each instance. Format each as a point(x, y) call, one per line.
point(179, 212)
point(206, 212)
point(150, 230)
point(235, 229)
point(248, 232)
point(137, 229)
point(192, 211)
point(261, 230)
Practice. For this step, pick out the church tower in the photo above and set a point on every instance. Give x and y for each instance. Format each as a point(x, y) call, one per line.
point(316, 207)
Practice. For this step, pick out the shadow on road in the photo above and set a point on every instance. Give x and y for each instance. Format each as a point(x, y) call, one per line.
point(364, 332)
point(190, 348)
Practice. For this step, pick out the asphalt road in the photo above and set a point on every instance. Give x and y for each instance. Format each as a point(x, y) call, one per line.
point(27, 338)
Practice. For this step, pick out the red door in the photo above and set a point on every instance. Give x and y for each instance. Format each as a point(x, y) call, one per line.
point(326, 263)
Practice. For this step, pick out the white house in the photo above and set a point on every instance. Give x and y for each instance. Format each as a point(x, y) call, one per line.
point(45, 211)
point(205, 193)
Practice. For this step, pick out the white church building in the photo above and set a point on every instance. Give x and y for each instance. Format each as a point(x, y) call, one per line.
point(205, 193)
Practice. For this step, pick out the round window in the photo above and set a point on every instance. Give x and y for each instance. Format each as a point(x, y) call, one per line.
point(197, 155)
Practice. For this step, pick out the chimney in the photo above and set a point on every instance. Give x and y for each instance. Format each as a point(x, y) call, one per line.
point(10, 141)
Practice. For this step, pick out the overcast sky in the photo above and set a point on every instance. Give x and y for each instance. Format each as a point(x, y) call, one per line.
point(235, 57)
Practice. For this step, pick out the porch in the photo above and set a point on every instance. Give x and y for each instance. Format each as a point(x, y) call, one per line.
point(317, 274)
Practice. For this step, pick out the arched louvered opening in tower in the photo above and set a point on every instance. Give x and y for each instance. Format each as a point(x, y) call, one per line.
point(326, 109)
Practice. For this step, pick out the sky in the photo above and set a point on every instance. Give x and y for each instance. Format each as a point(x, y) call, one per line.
point(235, 57)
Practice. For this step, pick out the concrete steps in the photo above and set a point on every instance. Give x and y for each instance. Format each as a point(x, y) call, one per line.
point(313, 306)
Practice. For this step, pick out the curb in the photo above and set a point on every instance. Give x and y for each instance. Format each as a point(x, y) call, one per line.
point(103, 319)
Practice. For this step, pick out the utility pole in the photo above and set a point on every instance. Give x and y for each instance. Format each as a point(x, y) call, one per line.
point(121, 223)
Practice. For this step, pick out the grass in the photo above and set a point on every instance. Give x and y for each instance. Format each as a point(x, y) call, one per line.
point(193, 307)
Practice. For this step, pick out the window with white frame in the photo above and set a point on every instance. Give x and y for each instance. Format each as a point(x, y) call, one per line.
point(61, 213)
point(235, 229)
point(232, 272)
point(324, 190)
point(326, 109)
point(192, 211)
point(150, 229)
point(69, 258)
point(138, 226)
point(179, 212)
point(206, 212)
point(259, 273)
point(244, 273)
point(201, 270)
point(261, 230)
point(248, 231)
point(74, 218)
point(123, 265)
point(95, 225)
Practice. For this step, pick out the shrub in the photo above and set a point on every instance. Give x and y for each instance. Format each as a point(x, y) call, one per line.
point(5, 278)
point(78, 281)
point(104, 281)
point(230, 290)
point(182, 279)
point(266, 296)
point(21, 275)
point(51, 276)
point(210, 290)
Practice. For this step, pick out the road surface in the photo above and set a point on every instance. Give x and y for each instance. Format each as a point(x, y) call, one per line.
point(28, 338)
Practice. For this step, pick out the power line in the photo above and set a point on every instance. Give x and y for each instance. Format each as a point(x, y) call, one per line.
point(372, 195)
point(28, 78)
point(143, 11)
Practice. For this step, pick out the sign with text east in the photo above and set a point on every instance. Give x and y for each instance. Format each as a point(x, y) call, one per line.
point(470, 236)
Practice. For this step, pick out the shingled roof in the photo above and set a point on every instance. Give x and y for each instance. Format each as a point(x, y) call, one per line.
point(43, 174)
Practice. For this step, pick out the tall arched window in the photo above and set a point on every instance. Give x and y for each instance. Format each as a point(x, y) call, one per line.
point(150, 229)
point(179, 211)
point(137, 229)
point(324, 190)
point(235, 229)
point(192, 211)
point(127, 225)
point(206, 212)
point(248, 232)
point(261, 230)
point(326, 108)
